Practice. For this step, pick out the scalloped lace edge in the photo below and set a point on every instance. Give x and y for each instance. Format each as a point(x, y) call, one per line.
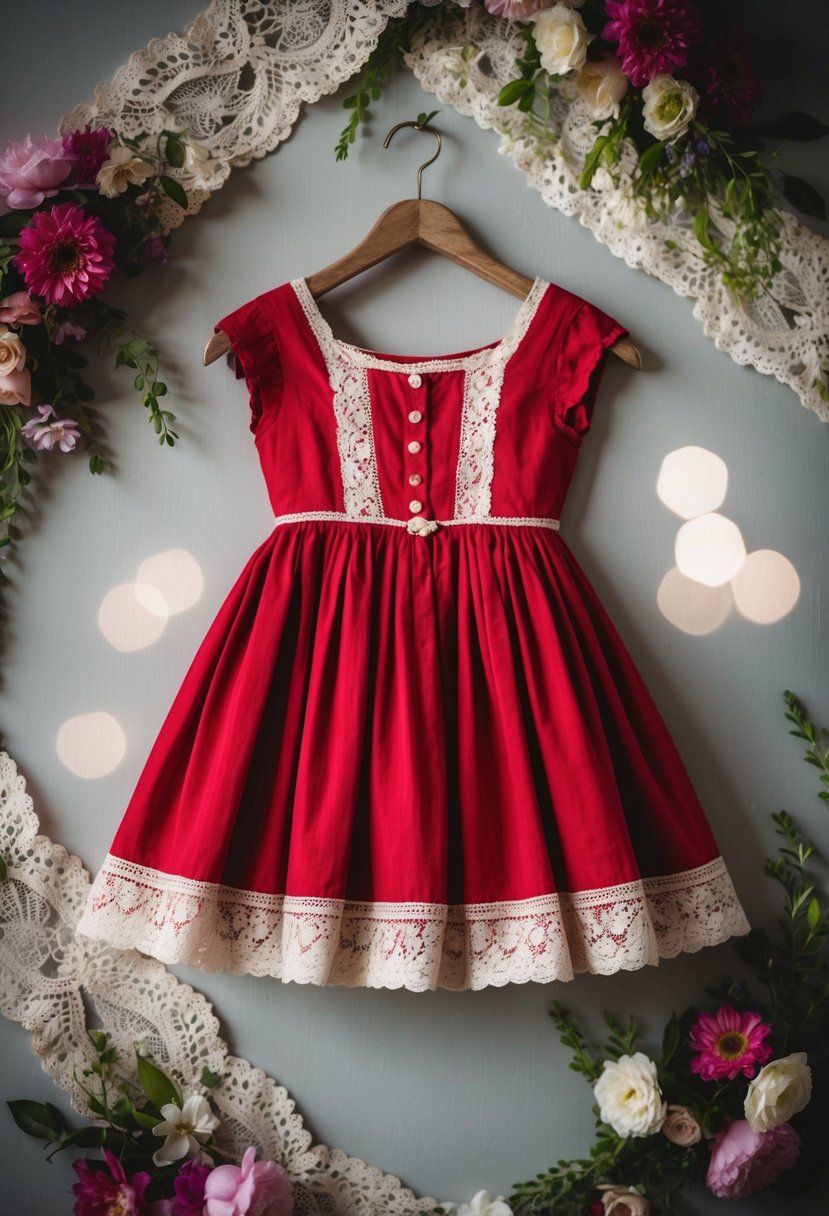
point(419, 946)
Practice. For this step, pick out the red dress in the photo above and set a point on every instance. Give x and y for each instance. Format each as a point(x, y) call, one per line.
point(412, 749)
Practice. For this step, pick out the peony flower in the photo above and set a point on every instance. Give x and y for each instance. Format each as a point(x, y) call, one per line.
point(20, 309)
point(629, 1097)
point(743, 1161)
point(16, 388)
point(669, 106)
point(46, 435)
point(254, 1188)
point(733, 86)
point(561, 38)
point(89, 149)
point(102, 1192)
point(625, 1201)
point(122, 169)
point(65, 255)
point(12, 351)
point(186, 1128)
point(482, 1205)
point(31, 171)
point(189, 1189)
point(654, 36)
point(516, 10)
point(681, 1127)
point(781, 1089)
point(67, 330)
point(727, 1043)
point(602, 84)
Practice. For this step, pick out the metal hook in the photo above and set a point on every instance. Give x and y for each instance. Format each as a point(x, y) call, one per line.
point(418, 127)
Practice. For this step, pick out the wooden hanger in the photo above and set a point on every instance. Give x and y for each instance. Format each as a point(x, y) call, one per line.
point(419, 221)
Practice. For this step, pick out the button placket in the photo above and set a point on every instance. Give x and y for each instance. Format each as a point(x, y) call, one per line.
point(414, 446)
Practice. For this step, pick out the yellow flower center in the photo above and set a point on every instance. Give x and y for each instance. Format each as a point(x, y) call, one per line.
point(670, 107)
point(731, 1045)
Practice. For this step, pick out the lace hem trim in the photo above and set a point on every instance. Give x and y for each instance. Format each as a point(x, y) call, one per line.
point(512, 521)
point(412, 945)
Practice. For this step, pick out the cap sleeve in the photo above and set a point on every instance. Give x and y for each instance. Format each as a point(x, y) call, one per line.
point(256, 356)
point(587, 338)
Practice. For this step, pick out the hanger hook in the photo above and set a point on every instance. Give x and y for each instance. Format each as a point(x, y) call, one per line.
point(418, 126)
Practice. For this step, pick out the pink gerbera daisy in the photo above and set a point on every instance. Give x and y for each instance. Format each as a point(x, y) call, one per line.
point(728, 1042)
point(654, 35)
point(65, 255)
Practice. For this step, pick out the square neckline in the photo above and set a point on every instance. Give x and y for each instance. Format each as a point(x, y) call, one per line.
point(500, 350)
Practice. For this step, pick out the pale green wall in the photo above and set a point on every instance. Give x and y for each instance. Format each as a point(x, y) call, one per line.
point(452, 1092)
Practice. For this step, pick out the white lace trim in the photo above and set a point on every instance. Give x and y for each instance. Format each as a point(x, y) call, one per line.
point(512, 521)
point(411, 945)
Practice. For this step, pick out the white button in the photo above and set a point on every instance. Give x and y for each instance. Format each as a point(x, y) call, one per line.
point(415, 505)
point(415, 416)
point(415, 479)
point(414, 447)
point(415, 380)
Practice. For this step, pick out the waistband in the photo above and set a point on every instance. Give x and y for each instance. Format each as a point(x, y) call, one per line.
point(418, 525)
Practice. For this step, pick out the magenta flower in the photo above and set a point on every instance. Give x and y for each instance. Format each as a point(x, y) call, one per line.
point(743, 1161)
point(46, 435)
point(89, 149)
point(728, 1042)
point(20, 309)
point(654, 36)
point(154, 248)
point(101, 1192)
point(65, 255)
point(189, 1189)
point(254, 1188)
point(517, 10)
point(31, 171)
point(732, 85)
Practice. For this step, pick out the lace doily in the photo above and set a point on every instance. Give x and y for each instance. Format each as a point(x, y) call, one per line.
point(51, 978)
point(238, 74)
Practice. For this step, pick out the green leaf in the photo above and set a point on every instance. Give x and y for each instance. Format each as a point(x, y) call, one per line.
point(514, 91)
point(41, 1120)
point(803, 196)
point(156, 1084)
point(701, 228)
point(4, 873)
point(813, 914)
point(143, 1119)
point(209, 1078)
point(650, 158)
point(174, 151)
point(173, 190)
point(591, 164)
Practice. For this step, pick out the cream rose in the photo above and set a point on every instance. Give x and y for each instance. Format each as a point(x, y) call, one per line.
point(624, 1202)
point(681, 1127)
point(602, 84)
point(669, 106)
point(780, 1089)
point(562, 39)
point(12, 352)
point(122, 168)
point(629, 1097)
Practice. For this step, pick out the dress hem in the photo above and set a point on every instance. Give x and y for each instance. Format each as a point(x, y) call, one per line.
point(418, 946)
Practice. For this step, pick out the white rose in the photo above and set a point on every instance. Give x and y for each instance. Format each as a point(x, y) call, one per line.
point(122, 168)
point(561, 39)
point(669, 106)
point(12, 352)
point(602, 84)
point(629, 1097)
point(624, 1202)
point(779, 1090)
point(196, 155)
point(482, 1205)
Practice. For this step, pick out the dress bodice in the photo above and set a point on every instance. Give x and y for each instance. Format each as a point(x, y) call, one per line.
point(485, 435)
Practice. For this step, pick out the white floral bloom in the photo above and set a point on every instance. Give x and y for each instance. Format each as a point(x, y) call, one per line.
point(602, 84)
point(482, 1205)
point(562, 39)
point(196, 155)
point(121, 169)
point(12, 351)
point(185, 1128)
point(623, 1201)
point(669, 106)
point(629, 1097)
point(780, 1089)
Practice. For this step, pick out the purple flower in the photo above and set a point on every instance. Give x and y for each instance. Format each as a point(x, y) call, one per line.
point(154, 248)
point(743, 1161)
point(46, 434)
point(31, 171)
point(654, 36)
point(89, 149)
point(189, 1189)
point(100, 1192)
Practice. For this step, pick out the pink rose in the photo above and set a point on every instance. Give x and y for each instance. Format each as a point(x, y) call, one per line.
point(31, 170)
point(20, 309)
point(743, 1161)
point(254, 1188)
point(16, 387)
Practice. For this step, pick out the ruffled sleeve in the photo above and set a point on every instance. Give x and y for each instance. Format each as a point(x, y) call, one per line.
point(586, 340)
point(256, 356)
